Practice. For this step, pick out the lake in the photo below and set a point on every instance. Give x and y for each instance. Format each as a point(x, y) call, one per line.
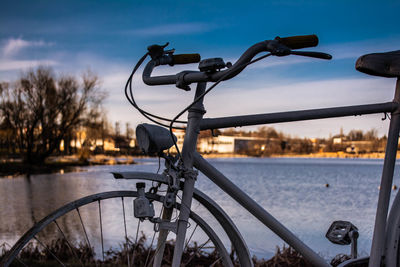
point(291, 189)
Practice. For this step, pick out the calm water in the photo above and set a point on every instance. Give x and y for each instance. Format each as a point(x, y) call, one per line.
point(292, 190)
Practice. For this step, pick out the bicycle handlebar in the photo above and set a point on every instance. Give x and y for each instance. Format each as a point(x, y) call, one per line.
point(188, 77)
point(185, 58)
point(298, 42)
point(278, 46)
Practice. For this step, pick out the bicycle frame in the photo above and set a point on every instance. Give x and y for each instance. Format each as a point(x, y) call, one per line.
point(192, 159)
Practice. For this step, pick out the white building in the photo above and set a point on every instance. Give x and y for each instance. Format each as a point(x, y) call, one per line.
point(219, 144)
point(227, 144)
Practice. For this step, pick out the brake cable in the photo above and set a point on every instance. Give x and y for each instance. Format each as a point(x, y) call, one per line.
point(132, 101)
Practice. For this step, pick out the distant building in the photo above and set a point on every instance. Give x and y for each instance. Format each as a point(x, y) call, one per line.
point(337, 140)
point(107, 144)
point(99, 145)
point(230, 144)
point(218, 144)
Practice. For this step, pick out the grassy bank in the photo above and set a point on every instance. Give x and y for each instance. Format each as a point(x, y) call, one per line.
point(141, 255)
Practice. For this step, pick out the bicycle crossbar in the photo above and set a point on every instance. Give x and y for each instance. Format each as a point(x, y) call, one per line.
point(312, 114)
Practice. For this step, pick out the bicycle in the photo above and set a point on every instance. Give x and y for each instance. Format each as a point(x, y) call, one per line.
point(172, 191)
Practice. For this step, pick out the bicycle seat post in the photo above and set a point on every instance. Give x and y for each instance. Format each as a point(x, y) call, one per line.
point(195, 116)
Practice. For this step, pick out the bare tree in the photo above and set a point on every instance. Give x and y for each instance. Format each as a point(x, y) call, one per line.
point(43, 109)
point(356, 135)
point(267, 132)
point(371, 135)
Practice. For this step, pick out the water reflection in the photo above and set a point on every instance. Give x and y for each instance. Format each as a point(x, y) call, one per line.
point(293, 190)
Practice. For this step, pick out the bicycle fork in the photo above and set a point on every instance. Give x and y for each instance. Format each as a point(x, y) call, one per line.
point(195, 116)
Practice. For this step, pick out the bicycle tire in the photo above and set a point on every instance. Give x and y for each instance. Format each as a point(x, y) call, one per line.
point(392, 248)
point(76, 205)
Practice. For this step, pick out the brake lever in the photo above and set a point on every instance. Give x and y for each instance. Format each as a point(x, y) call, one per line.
point(311, 54)
point(157, 51)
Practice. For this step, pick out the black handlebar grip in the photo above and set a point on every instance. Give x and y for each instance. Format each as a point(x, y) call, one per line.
point(297, 42)
point(185, 58)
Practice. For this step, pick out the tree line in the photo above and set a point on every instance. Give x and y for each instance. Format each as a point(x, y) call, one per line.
point(270, 141)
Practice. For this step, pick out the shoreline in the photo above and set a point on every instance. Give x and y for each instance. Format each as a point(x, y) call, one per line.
point(11, 168)
point(15, 167)
point(341, 155)
point(375, 155)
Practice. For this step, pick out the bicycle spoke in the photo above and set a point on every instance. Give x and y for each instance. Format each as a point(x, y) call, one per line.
point(195, 252)
point(46, 247)
point(157, 250)
point(190, 237)
point(20, 261)
point(68, 243)
point(16, 257)
point(101, 232)
point(84, 229)
point(215, 262)
point(151, 245)
point(126, 233)
point(136, 243)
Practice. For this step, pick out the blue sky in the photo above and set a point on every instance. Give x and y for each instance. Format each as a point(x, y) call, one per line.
point(108, 37)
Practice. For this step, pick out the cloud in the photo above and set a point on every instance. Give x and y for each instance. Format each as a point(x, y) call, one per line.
point(172, 29)
point(12, 46)
point(8, 65)
point(12, 60)
point(353, 50)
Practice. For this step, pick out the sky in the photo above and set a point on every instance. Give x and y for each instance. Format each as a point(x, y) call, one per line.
point(109, 37)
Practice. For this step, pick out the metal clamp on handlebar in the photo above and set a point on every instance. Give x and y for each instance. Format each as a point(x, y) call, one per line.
point(277, 49)
point(180, 81)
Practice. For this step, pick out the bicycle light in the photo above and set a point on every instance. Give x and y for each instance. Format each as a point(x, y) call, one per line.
point(142, 207)
point(153, 139)
point(213, 64)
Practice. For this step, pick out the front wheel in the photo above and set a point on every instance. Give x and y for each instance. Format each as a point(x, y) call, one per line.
point(101, 229)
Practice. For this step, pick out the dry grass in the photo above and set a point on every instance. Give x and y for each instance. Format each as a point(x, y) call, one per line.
point(284, 257)
point(141, 255)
